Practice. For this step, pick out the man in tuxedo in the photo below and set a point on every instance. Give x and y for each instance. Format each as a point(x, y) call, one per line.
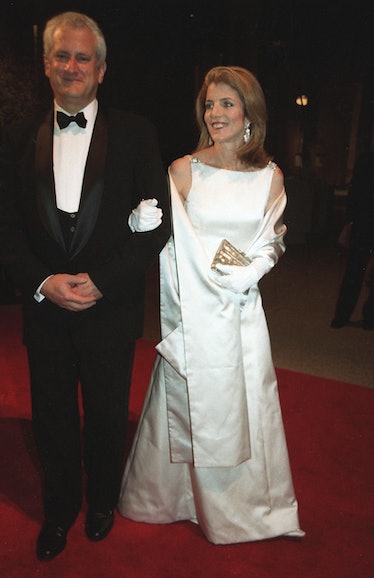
point(72, 185)
point(359, 266)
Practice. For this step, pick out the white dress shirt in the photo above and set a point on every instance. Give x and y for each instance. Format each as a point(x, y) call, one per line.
point(70, 150)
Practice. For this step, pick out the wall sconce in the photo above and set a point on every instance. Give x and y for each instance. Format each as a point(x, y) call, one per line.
point(302, 100)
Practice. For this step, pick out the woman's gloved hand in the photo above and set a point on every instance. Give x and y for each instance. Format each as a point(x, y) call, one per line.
point(146, 217)
point(236, 278)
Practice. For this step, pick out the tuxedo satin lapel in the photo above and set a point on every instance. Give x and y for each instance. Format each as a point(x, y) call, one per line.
point(45, 187)
point(93, 184)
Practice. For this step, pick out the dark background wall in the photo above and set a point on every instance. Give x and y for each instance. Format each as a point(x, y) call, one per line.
point(158, 52)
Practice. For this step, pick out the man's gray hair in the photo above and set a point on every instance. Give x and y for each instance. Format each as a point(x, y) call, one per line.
point(74, 20)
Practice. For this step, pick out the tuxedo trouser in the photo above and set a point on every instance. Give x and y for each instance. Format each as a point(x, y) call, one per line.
point(350, 289)
point(104, 377)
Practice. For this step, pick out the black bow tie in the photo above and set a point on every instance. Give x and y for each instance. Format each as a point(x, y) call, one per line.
point(63, 120)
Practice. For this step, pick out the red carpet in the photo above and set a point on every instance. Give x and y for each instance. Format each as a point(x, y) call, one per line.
point(330, 437)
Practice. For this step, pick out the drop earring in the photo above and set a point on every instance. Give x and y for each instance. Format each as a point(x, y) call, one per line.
point(247, 132)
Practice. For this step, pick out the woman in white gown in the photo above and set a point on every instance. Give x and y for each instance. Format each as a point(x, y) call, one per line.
point(210, 444)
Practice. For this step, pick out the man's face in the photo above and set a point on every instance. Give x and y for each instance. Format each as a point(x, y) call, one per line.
point(72, 68)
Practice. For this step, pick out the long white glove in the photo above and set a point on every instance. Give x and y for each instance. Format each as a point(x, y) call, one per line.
point(239, 279)
point(146, 217)
point(236, 278)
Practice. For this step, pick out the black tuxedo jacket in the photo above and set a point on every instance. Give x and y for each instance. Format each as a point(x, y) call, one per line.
point(123, 167)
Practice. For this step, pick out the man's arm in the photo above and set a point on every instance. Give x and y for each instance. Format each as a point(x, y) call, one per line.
point(129, 262)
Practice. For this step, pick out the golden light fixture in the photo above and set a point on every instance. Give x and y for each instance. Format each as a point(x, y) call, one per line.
point(302, 100)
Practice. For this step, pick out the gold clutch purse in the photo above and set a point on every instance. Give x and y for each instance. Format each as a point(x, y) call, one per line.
point(227, 254)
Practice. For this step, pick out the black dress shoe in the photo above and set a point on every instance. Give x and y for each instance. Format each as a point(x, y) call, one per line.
point(99, 524)
point(337, 323)
point(51, 542)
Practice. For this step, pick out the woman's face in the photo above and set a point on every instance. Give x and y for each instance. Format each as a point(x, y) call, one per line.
point(224, 114)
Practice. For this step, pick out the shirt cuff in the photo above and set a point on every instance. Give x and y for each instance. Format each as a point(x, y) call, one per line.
point(37, 295)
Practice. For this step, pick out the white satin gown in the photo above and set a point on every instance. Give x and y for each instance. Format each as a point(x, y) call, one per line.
point(210, 444)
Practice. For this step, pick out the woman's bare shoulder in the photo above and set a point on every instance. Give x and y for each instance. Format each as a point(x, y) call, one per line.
point(180, 171)
point(180, 166)
point(277, 182)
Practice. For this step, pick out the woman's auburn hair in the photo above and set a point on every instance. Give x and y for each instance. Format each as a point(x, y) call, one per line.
point(254, 107)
